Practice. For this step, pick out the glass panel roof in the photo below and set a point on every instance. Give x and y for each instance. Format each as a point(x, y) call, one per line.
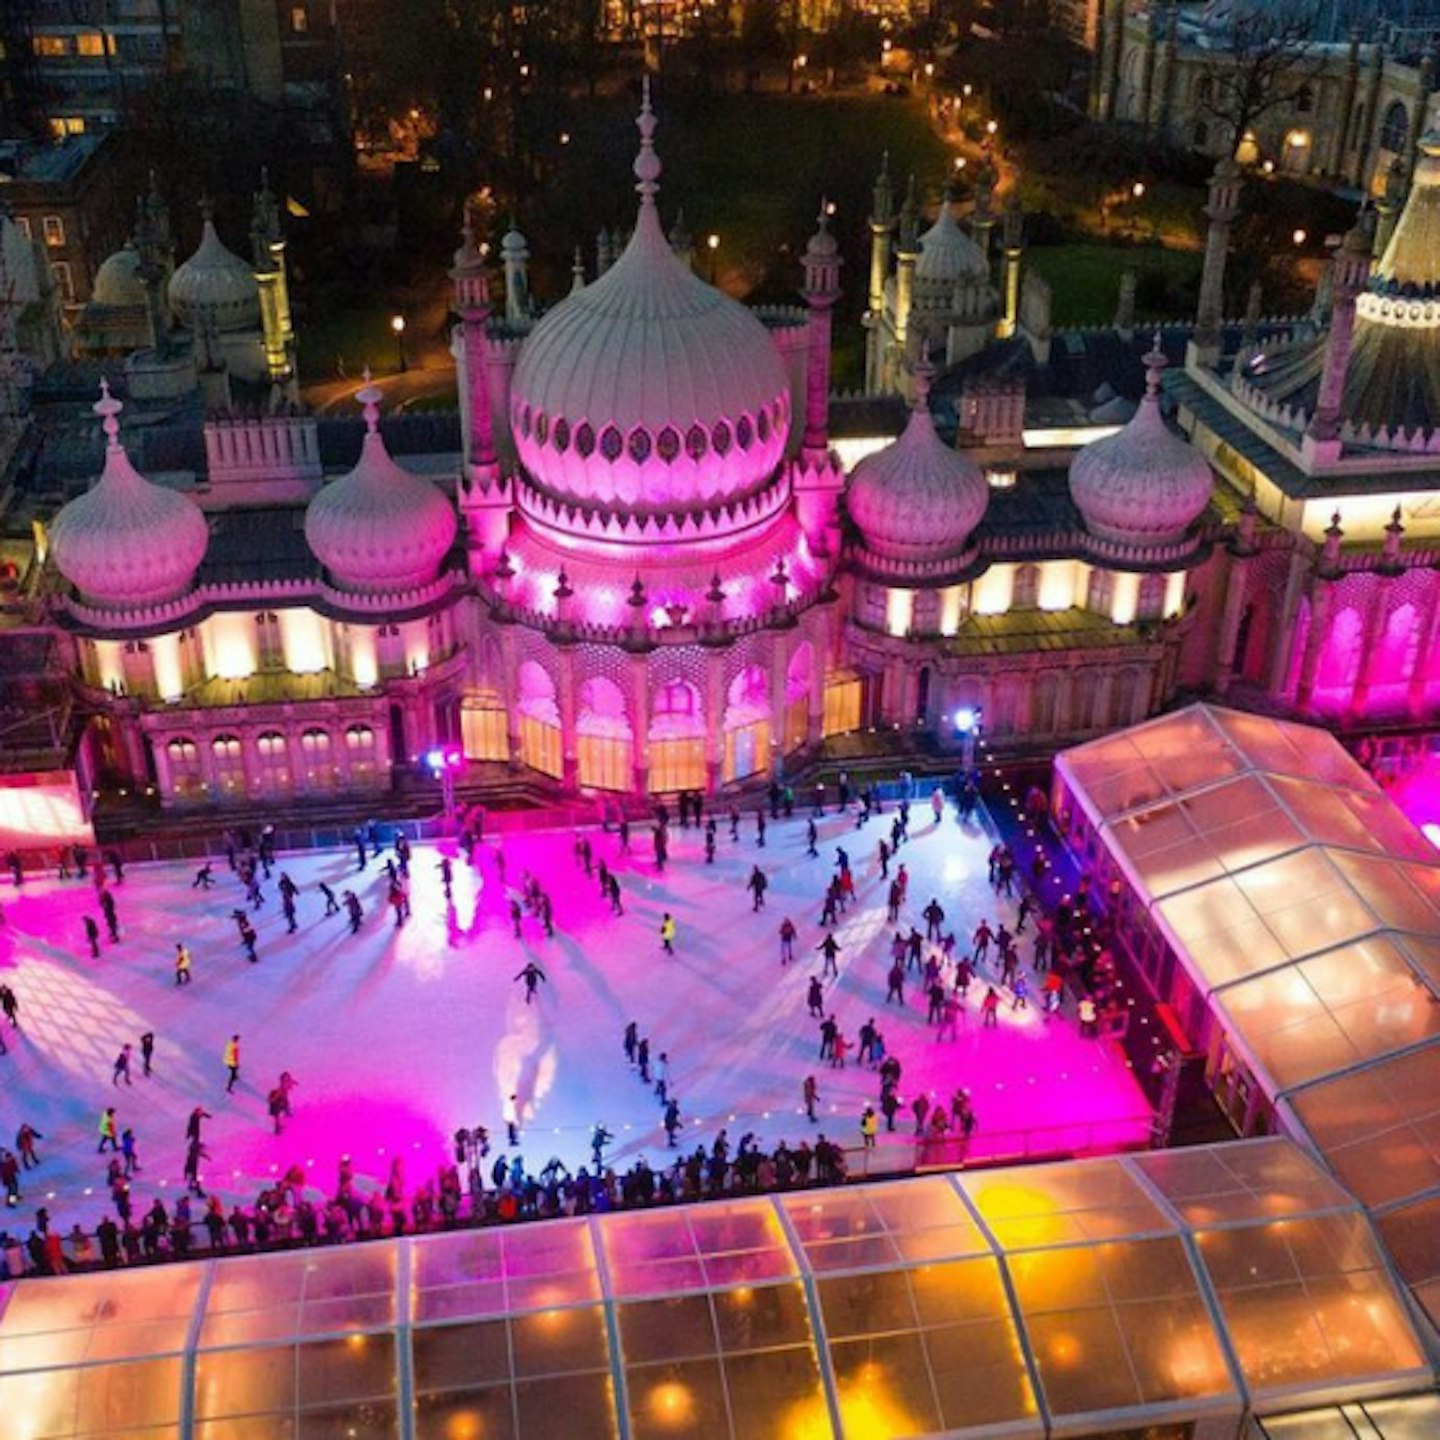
point(1306, 909)
point(995, 1302)
point(1311, 1019)
point(1380, 1127)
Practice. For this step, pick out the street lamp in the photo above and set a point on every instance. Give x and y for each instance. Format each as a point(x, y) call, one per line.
point(1299, 237)
point(1138, 190)
point(969, 726)
point(443, 762)
point(712, 243)
point(397, 327)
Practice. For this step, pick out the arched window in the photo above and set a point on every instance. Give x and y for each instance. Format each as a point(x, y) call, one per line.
point(1305, 100)
point(360, 746)
point(229, 764)
point(1395, 128)
point(604, 742)
point(318, 755)
point(677, 739)
point(186, 776)
point(747, 724)
point(1204, 90)
point(274, 753)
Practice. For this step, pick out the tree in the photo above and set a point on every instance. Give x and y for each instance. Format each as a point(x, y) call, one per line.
point(1265, 59)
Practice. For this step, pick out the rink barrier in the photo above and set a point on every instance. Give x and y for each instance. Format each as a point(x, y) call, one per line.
point(896, 1156)
point(598, 812)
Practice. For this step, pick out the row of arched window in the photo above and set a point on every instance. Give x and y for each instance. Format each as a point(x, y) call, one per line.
point(315, 762)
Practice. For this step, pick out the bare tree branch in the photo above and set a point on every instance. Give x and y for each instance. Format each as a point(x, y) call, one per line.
point(1268, 58)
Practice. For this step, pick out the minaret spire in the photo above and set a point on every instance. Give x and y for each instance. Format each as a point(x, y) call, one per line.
point(647, 162)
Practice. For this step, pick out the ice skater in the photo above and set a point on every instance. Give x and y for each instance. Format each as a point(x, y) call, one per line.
point(667, 933)
point(632, 1041)
point(787, 940)
point(512, 1121)
point(815, 998)
point(810, 1094)
point(232, 1063)
point(109, 1135)
point(183, 962)
point(10, 1006)
point(533, 976)
point(600, 1137)
point(830, 947)
point(757, 884)
point(121, 1069)
point(204, 877)
point(92, 936)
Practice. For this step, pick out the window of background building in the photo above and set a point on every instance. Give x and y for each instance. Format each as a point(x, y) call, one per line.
point(94, 43)
point(299, 19)
point(54, 230)
point(63, 125)
point(49, 47)
point(64, 279)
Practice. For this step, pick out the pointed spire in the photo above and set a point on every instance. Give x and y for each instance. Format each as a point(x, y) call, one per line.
point(1155, 362)
point(108, 408)
point(647, 162)
point(923, 378)
point(577, 272)
point(883, 200)
point(370, 395)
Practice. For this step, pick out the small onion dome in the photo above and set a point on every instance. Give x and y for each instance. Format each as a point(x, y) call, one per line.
point(917, 499)
point(947, 253)
point(379, 528)
point(127, 542)
point(217, 281)
point(1144, 485)
point(117, 281)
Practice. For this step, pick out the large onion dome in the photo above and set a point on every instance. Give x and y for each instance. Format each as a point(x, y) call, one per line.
point(117, 281)
point(216, 281)
point(649, 391)
point(1144, 485)
point(379, 528)
point(947, 253)
point(127, 542)
point(917, 499)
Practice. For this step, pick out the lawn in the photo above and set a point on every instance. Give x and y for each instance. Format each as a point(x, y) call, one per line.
point(1085, 280)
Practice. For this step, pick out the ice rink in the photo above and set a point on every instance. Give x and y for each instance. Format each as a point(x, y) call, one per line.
point(399, 1036)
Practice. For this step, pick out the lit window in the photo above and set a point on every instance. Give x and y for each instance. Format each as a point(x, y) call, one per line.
point(48, 47)
point(54, 228)
point(299, 19)
point(94, 44)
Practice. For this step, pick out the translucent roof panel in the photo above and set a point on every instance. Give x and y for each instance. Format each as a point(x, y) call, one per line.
point(1308, 1303)
point(1284, 748)
point(1245, 1181)
point(695, 1248)
point(120, 1315)
point(929, 1348)
point(1118, 1326)
point(1067, 1203)
point(1084, 1296)
point(1405, 1417)
point(317, 1384)
point(1412, 1236)
point(1320, 1016)
point(312, 1292)
point(478, 1273)
point(1379, 1128)
point(885, 1225)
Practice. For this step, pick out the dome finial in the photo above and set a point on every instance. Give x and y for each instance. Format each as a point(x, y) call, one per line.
point(1155, 362)
point(370, 395)
point(923, 377)
point(108, 408)
point(207, 209)
point(647, 162)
